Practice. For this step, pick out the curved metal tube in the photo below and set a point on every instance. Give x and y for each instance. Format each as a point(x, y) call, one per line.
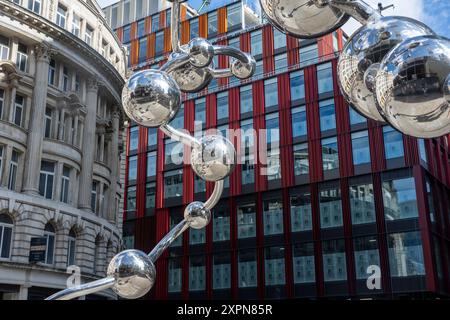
point(359, 10)
point(168, 239)
point(232, 52)
point(178, 135)
point(173, 64)
point(215, 195)
point(220, 73)
point(84, 289)
point(175, 21)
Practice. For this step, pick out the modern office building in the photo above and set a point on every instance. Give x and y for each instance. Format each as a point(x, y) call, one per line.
point(304, 215)
point(61, 140)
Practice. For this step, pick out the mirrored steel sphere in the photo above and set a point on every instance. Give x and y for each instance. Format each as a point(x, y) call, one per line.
point(197, 215)
point(134, 273)
point(201, 52)
point(412, 87)
point(243, 70)
point(215, 159)
point(362, 54)
point(151, 98)
point(303, 18)
point(189, 78)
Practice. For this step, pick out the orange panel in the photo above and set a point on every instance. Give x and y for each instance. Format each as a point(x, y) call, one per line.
point(222, 22)
point(148, 24)
point(167, 40)
point(203, 26)
point(185, 32)
point(134, 52)
point(162, 19)
point(183, 12)
point(151, 46)
point(119, 32)
point(133, 31)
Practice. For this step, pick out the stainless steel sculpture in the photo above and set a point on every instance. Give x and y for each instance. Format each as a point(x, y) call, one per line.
point(392, 69)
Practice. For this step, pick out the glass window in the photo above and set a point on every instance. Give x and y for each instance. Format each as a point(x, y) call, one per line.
point(246, 99)
point(222, 105)
point(199, 184)
point(114, 16)
point(247, 151)
point(362, 203)
point(2, 100)
point(221, 224)
point(168, 17)
point(150, 196)
point(330, 208)
point(212, 23)
point(35, 6)
point(309, 55)
point(152, 136)
point(94, 196)
point(272, 128)
point(142, 49)
point(140, 28)
point(61, 15)
point(330, 155)
point(256, 42)
point(271, 92)
point(196, 236)
point(297, 82)
point(76, 25)
point(131, 199)
point(88, 34)
point(259, 70)
point(303, 263)
point(399, 198)
point(279, 39)
point(151, 164)
point(334, 264)
point(71, 248)
point(65, 184)
point(126, 12)
point(175, 218)
point(301, 161)
point(360, 147)
point(246, 221)
point(393, 143)
point(159, 43)
point(175, 274)
point(13, 166)
point(6, 228)
point(422, 149)
point(178, 121)
point(4, 48)
point(132, 168)
point(327, 115)
point(193, 28)
point(65, 78)
point(46, 178)
point(355, 117)
point(18, 110)
point(22, 57)
point(247, 269)
point(126, 36)
point(200, 110)
point(49, 234)
point(274, 269)
point(48, 123)
point(234, 16)
point(134, 138)
point(325, 77)
point(173, 152)
point(273, 164)
point(281, 62)
point(52, 72)
point(155, 22)
point(197, 275)
point(221, 271)
point(273, 217)
point(1, 160)
point(299, 124)
point(301, 216)
point(139, 9)
point(406, 254)
point(366, 254)
point(173, 183)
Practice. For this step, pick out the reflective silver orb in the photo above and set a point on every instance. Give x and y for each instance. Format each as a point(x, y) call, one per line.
point(189, 78)
point(243, 70)
point(134, 273)
point(151, 98)
point(303, 18)
point(197, 215)
point(201, 52)
point(412, 87)
point(361, 55)
point(215, 159)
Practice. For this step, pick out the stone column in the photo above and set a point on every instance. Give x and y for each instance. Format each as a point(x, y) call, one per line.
point(58, 180)
point(114, 162)
point(62, 125)
point(54, 134)
point(88, 146)
point(35, 132)
point(75, 131)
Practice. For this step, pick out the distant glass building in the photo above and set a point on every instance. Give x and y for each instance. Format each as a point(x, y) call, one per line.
point(340, 193)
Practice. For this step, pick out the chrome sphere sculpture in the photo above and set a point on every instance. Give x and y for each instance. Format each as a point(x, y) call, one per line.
point(412, 87)
point(366, 47)
point(197, 215)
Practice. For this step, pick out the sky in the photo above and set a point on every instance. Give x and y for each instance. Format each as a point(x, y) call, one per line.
point(434, 13)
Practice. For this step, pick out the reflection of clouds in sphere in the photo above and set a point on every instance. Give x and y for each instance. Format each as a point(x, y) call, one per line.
point(362, 53)
point(151, 98)
point(215, 159)
point(303, 18)
point(134, 273)
point(412, 87)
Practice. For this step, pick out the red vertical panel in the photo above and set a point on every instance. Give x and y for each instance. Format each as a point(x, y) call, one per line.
point(325, 46)
point(160, 171)
point(245, 42)
point(411, 151)
point(141, 172)
point(292, 51)
point(188, 173)
point(162, 227)
point(285, 125)
point(268, 59)
point(376, 141)
point(223, 63)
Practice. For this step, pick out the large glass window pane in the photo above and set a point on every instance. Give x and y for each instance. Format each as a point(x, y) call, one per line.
point(366, 254)
point(246, 98)
point(297, 82)
point(132, 168)
point(134, 138)
point(247, 151)
point(173, 183)
point(150, 196)
point(325, 78)
point(281, 62)
point(406, 254)
point(222, 105)
point(193, 28)
point(200, 110)
point(246, 221)
point(399, 198)
point(175, 274)
point(196, 236)
point(301, 217)
point(360, 147)
point(334, 264)
point(272, 128)
point(46, 178)
point(152, 136)
point(221, 271)
point(301, 161)
point(212, 23)
point(271, 92)
point(327, 115)
point(234, 16)
point(330, 208)
point(330, 154)
point(159, 43)
point(309, 55)
point(131, 199)
point(274, 269)
point(279, 39)
point(299, 124)
point(173, 151)
point(247, 270)
point(221, 224)
point(155, 22)
point(303, 263)
point(142, 49)
point(355, 117)
point(272, 217)
point(197, 275)
point(422, 150)
point(273, 164)
point(362, 203)
point(175, 218)
point(393, 143)
point(256, 42)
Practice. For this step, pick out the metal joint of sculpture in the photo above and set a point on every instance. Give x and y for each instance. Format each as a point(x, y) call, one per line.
point(392, 69)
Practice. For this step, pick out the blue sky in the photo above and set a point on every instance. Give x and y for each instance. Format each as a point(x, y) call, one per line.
point(434, 13)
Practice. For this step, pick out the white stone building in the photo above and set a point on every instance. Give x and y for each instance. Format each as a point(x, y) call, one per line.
point(61, 74)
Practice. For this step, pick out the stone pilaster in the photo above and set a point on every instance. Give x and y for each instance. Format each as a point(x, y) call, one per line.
point(88, 146)
point(114, 162)
point(35, 133)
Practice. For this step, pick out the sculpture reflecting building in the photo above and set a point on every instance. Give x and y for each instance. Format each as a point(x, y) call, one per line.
point(61, 74)
point(320, 202)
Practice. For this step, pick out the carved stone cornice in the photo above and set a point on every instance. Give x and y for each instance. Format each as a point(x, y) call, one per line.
point(44, 52)
point(92, 84)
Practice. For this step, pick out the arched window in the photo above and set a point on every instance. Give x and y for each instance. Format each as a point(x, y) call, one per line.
point(6, 226)
point(49, 233)
point(71, 251)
